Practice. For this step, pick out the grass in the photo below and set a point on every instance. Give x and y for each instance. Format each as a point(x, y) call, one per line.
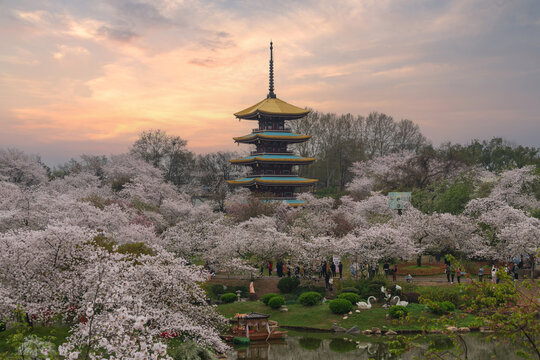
point(320, 316)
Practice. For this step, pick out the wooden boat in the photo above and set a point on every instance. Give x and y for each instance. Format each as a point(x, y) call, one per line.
point(256, 327)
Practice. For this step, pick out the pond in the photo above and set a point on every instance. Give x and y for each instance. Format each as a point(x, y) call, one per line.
point(326, 346)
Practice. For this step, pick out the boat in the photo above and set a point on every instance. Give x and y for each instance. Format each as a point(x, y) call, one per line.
point(255, 327)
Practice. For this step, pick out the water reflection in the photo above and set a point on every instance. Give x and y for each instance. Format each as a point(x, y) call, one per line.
point(330, 347)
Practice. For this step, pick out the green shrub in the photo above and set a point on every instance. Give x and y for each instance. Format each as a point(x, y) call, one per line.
point(448, 306)
point(228, 298)
point(398, 311)
point(350, 290)
point(340, 306)
point(352, 297)
point(439, 294)
point(310, 298)
point(302, 289)
point(266, 298)
point(440, 308)
point(276, 302)
point(288, 284)
point(371, 290)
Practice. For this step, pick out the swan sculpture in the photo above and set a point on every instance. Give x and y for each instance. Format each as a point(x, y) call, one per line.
point(399, 302)
point(366, 305)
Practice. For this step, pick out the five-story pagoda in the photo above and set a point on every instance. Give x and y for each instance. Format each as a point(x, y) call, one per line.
point(272, 164)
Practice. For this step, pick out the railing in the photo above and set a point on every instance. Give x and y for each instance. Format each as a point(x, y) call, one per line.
point(278, 130)
point(271, 153)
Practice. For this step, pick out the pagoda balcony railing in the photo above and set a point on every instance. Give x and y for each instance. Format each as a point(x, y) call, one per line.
point(271, 153)
point(271, 129)
point(270, 174)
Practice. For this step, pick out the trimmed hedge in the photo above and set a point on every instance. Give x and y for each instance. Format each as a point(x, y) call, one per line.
point(276, 302)
point(351, 290)
point(266, 298)
point(288, 284)
point(398, 311)
point(310, 298)
point(340, 306)
point(228, 298)
point(352, 297)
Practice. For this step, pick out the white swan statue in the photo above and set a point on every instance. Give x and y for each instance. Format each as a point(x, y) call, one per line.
point(399, 302)
point(366, 305)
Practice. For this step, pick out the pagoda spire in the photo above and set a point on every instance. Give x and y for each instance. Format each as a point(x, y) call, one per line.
point(271, 79)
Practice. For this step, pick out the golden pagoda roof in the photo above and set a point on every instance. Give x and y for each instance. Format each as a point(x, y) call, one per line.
point(272, 106)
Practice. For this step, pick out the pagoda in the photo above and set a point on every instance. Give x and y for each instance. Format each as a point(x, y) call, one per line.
point(272, 174)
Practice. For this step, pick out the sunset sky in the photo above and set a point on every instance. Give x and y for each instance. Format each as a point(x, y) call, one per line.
point(87, 76)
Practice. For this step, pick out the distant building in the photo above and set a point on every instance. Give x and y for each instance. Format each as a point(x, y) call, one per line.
point(272, 175)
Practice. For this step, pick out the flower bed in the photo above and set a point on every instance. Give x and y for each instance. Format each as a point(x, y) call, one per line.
point(425, 269)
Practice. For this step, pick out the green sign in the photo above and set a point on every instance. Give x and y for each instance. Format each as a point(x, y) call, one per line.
point(399, 200)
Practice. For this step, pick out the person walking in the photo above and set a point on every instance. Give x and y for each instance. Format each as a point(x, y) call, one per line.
point(452, 274)
point(458, 275)
point(516, 272)
point(480, 273)
point(327, 280)
point(333, 268)
point(447, 272)
point(394, 273)
point(262, 269)
point(340, 267)
point(270, 268)
point(386, 268)
point(279, 268)
point(493, 274)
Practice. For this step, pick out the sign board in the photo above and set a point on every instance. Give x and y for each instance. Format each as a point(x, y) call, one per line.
point(399, 200)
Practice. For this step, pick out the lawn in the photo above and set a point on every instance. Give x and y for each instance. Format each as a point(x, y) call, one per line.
point(320, 316)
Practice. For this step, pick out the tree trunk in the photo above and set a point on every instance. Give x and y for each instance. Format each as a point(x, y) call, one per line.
point(419, 260)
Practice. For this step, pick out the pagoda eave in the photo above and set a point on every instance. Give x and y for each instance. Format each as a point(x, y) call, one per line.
point(262, 114)
point(273, 181)
point(252, 138)
point(268, 159)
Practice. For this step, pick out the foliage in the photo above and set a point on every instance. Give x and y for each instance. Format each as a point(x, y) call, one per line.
point(287, 285)
point(190, 350)
point(440, 294)
point(440, 308)
point(309, 298)
point(276, 302)
point(398, 311)
point(340, 306)
point(266, 297)
point(136, 249)
point(214, 291)
point(302, 289)
point(444, 196)
point(228, 298)
point(352, 297)
point(350, 290)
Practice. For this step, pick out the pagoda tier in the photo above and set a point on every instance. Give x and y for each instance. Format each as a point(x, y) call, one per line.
point(271, 137)
point(272, 164)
